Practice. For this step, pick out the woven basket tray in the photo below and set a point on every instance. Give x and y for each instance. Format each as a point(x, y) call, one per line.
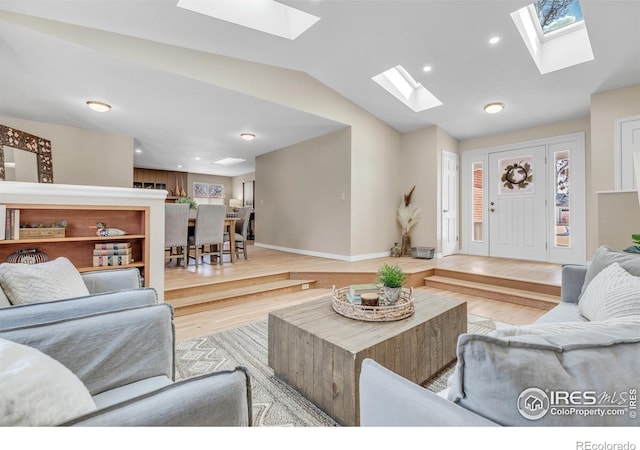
point(403, 308)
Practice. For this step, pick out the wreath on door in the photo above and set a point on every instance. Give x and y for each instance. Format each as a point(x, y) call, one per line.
point(517, 174)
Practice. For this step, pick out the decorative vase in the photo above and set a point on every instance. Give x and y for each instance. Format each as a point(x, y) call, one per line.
point(28, 256)
point(392, 294)
point(406, 245)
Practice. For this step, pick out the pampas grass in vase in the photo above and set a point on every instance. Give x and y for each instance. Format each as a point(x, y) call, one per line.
point(408, 216)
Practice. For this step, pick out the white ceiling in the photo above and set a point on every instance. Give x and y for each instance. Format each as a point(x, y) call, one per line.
point(175, 119)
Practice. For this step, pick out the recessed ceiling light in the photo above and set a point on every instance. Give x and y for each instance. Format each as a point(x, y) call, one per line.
point(228, 161)
point(98, 106)
point(493, 108)
point(494, 40)
point(138, 150)
point(179, 166)
point(427, 69)
point(248, 136)
point(197, 158)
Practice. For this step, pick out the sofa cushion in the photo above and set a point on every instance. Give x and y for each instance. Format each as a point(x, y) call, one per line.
point(33, 283)
point(131, 390)
point(546, 328)
point(562, 312)
point(36, 390)
point(612, 293)
point(603, 257)
point(494, 376)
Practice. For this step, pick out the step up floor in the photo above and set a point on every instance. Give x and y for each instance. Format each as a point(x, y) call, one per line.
point(510, 294)
point(190, 303)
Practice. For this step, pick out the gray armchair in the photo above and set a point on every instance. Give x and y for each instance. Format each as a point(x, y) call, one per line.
point(125, 359)
point(110, 290)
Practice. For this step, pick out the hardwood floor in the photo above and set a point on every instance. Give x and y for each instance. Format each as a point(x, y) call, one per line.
point(235, 312)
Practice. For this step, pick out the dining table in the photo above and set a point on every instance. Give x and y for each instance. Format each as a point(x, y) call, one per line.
point(230, 226)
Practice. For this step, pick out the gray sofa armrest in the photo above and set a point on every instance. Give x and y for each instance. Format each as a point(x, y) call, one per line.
point(98, 281)
point(573, 276)
point(216, 399)
point(387, 399)
point(34, 313)
point(107, 350)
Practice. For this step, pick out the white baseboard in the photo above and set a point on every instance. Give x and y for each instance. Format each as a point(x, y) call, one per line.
point(322, 254)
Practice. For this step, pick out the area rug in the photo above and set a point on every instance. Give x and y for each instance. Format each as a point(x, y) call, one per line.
point(274, 402)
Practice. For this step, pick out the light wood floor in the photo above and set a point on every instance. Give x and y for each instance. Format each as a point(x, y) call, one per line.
point(237, 312)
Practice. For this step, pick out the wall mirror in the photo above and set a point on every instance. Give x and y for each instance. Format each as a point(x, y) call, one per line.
point(24, 157)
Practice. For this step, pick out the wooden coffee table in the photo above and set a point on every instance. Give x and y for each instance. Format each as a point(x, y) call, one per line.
point(319, 352)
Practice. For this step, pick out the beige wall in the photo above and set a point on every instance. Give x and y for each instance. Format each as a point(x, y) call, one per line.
point(606, 107)
point(618, 218)
point(422, 168)
point(82, 156)
point(300, 203)
point(375, 174)
point(236, 184)
point(211, 179)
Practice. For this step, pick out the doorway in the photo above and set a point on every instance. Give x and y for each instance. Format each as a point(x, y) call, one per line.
point(517, 213)
point(449, 201)
point(526, 201)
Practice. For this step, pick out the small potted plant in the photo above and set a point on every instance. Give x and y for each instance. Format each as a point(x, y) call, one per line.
point(391, 278)
point(191, 202)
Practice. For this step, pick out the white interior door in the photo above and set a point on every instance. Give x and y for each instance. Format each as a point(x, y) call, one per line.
point(517, 204)
point(449, 203)
point(628, 142)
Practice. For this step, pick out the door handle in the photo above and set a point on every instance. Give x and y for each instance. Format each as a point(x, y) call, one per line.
point(492, 209)
point(445, 210)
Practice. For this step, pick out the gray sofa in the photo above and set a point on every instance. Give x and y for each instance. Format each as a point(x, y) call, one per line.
point(561, 352)
point(119, 342)
point(125, 359)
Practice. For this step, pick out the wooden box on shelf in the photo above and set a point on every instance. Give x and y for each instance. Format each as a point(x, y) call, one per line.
point(40, 233)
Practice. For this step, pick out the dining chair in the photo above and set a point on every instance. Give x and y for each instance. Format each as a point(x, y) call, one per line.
point(241, 227)
point(208, 236)
point(176, 222)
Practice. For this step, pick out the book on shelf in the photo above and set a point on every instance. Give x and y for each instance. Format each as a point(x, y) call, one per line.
point(11, 223)
point(358, 289)
point(3, 215)
point(112, 245)
point(112, 260)
point(112, 251)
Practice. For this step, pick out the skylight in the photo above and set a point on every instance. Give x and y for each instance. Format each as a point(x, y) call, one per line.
point(399, 83)
point(228, 161)
point(267, 16)
point(557, 40)
point(554, 15)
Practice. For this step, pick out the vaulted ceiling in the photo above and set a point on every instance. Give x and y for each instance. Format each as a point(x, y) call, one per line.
point(175, 119)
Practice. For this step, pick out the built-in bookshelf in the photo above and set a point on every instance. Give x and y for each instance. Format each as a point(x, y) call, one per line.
point(80, 233)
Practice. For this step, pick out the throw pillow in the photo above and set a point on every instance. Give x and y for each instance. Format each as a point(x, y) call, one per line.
point(614, 292)
point(604, 257)
point(33, 283)
point(36, 390)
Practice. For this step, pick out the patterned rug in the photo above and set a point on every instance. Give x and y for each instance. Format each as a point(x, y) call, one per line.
point(274, 402)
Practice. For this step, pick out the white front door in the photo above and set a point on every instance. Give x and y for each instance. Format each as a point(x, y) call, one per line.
point(449, 203)
point(516, 204)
